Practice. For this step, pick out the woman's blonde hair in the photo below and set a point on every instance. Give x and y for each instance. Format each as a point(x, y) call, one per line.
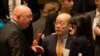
point(52, 7)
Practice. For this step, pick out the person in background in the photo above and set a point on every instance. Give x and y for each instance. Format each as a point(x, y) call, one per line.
point(39, 25)
point(95, 16)
point(82, 32)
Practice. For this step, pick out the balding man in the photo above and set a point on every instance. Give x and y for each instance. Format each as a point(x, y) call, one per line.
point(12, 40)
point(51, 43)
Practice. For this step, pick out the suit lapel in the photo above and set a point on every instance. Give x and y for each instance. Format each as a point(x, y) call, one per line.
point(55, 42)
point(69, 41)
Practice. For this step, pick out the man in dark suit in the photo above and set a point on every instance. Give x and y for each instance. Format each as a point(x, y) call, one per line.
point(50, 43)
point(12, 39)
point(95, 16)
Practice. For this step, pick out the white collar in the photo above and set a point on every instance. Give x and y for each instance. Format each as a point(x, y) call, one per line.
point(13, 21)
point(97, 13)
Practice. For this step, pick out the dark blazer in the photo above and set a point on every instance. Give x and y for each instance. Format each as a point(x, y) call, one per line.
point(13, 42)
point(80, 45)
point(97, 40)
point(50, 42)
point(92, 15)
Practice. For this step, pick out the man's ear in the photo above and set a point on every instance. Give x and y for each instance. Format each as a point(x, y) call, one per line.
point(18, 17)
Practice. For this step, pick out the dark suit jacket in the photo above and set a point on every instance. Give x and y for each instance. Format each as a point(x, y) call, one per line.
point(80, 45)
point(97, 40)
point(92, 15)
point(13, 42)
point(50, 42)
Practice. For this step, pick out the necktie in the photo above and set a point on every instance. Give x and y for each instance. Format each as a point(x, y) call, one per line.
point(59, 47)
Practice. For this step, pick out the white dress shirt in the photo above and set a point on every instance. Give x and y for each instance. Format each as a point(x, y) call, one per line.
point(95, 21)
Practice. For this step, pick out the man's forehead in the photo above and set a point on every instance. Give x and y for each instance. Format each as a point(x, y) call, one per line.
point(63, 17)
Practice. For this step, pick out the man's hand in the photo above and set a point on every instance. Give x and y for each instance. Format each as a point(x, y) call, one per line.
point(97, 31)
point(36, 48)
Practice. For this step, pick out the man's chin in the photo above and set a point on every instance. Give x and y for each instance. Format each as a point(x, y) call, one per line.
point(59, 33)
point(25, 27)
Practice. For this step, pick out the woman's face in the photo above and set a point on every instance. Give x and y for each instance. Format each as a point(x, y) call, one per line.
point(73, 30)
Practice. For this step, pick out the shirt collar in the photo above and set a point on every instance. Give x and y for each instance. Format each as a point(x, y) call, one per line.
point(97, 13)
point(63, 37)
point(13, 21)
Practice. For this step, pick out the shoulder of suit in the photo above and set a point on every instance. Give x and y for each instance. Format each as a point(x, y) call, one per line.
point(81, 40)
point(48, 38)
point(52, 36)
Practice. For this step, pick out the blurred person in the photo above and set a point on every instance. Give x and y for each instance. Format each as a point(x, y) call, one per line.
point(95, 16)
point(51, 7)
point(59, 44)
point(12, 39)
point(82, 32)
point(66, 6)
point(39, 25)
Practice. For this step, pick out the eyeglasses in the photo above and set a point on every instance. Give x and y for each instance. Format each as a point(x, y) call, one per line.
point(60, 23)
point(28, 16)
